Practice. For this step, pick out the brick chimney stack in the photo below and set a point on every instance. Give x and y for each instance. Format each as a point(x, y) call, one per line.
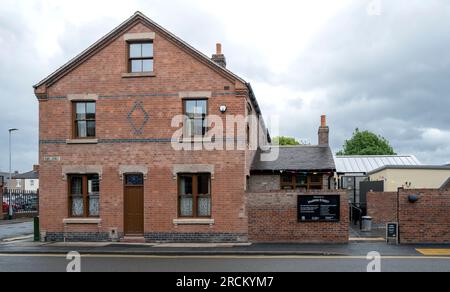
point(324, 132)
point(36, 168)
point(219, 57)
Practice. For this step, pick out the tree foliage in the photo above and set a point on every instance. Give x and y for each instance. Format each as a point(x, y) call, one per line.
point(366, 143)
point(285, 141)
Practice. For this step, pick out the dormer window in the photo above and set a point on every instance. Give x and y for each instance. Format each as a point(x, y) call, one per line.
point(140, 58)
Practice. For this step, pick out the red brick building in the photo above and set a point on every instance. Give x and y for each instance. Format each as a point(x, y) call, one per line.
point(117, 124)
point(108, 167)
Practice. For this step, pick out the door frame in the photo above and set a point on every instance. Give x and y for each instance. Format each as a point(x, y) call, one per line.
point(125, 186)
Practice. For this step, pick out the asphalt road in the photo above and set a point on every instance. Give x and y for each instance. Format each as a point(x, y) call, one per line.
point(107, 263)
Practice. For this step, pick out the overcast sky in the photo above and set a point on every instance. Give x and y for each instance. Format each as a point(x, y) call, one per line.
point(374, 64)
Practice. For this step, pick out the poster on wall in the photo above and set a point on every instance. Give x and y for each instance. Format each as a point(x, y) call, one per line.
point(319, 208)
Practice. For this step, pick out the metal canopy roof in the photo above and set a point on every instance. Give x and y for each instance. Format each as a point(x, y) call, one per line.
point(365, 164)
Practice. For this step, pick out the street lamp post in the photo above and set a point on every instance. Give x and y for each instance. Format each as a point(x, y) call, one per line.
point(10, 174)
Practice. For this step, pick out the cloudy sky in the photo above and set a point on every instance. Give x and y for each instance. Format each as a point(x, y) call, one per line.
point(374, 64)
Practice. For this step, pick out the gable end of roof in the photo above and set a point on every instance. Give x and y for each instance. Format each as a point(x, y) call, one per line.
point(138, 17)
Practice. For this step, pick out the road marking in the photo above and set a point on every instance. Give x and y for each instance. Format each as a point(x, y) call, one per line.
point(229, 257)
point(434, 251)
point(17, 238)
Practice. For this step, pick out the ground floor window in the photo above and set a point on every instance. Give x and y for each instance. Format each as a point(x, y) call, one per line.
point(295, 181)
point(84, 195)
point(194, 198)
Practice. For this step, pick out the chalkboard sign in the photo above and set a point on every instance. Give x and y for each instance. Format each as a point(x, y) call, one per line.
point(319, 208)
point(392, 230)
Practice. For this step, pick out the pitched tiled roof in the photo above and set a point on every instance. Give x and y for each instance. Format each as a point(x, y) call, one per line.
point(297, 158)
point(140, 17)
point(27, 175)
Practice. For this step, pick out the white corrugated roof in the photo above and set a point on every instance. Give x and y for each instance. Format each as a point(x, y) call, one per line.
point(365, 164)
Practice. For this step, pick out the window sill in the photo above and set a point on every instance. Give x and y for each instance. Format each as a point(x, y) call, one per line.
point(196, 140)
point(96, 221)
point(193, 221)
point(82, 141)
point(137, 75)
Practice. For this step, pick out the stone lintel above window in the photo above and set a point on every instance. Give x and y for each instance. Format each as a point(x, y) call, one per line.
point(193, 168)
point(127, 169)
point(143, 36)
point(87, 97)
point(81, 169)
point(195, 94)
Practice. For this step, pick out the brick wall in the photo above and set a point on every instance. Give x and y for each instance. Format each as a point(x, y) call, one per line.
point(382, 207)
point(1, 203)
point(273, 218)
point(427, 220)
point(264, 183)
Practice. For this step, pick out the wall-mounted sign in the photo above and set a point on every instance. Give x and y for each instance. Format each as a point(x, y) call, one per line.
point(319, 208)
point(52, 158)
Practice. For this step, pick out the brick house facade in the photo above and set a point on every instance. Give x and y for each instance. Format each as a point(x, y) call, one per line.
point(108, 170)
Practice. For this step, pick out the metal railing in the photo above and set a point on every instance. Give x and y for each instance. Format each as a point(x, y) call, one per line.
point(20, 202)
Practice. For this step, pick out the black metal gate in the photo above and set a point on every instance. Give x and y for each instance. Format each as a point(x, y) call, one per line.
point(20, 203)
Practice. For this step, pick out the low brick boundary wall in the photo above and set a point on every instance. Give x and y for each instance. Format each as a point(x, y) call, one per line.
point(1, 203)
point(427, 220)
point(382, 207)
point(273, 217)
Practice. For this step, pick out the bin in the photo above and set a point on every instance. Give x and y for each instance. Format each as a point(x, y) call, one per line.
point(37, 233)
point(367, 223)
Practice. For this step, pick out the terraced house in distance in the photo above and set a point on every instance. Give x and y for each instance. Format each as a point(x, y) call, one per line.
point(110, 167)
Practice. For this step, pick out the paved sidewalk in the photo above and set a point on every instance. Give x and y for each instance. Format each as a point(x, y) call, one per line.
point(15, 228)
point(352, 249)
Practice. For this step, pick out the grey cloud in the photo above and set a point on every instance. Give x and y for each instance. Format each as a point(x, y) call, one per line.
point(387, 73)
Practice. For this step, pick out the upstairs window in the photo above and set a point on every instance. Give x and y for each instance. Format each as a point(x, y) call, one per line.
point(195, 112)
point(140, 57)
point(84, 120)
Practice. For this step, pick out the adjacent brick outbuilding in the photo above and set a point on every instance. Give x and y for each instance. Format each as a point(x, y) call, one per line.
point(273, 217)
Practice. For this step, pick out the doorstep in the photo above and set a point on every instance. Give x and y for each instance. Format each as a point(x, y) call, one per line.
point(133, 239)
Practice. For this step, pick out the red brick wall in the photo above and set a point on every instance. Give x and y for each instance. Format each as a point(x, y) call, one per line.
point(1, 202)
point(273, 218)
point(176, 71)
point(427, 220)
point(382, 207)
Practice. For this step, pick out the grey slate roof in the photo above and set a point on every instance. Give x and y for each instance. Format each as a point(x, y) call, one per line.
point(297, 158)
point(368, 163)
point(27, 175)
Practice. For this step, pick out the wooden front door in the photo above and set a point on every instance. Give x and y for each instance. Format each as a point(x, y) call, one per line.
point(134, 205)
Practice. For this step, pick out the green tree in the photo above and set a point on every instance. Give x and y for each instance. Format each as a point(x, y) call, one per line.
point(285, 141)
point(366, 143)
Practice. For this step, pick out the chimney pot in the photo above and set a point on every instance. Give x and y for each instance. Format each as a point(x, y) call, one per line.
point(218, 49)
point(324, 121)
